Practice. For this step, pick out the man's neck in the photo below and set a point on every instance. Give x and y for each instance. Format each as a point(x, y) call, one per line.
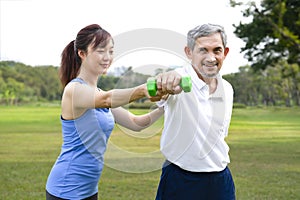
point(212, 84)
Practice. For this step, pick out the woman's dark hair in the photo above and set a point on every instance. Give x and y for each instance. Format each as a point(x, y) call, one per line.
point(70, 61)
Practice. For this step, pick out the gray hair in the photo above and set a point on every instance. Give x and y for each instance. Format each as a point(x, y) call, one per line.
point(205, 30)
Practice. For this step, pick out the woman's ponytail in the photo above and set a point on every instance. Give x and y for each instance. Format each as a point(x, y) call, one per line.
point(70, 64)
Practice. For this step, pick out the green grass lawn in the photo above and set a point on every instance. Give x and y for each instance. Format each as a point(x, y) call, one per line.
point(264, 150)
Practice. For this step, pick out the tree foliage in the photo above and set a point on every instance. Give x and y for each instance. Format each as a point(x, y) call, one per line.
point(273, 34)
point(22, 83)
point(277, 85)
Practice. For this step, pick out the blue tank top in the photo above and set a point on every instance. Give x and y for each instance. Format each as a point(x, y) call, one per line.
point(77, 170)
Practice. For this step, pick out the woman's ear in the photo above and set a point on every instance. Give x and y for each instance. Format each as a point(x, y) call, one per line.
point(81, 54)
point(188, 52)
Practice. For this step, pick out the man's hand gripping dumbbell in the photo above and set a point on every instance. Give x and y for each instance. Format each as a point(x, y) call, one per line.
point(168, 83)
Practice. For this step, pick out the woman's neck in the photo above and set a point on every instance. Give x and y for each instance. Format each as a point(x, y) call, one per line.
point(88, 78)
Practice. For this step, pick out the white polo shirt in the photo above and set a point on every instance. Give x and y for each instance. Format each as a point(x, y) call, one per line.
point(196, 124)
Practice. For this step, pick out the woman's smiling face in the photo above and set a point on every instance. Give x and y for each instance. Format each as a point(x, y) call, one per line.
point(99, 59)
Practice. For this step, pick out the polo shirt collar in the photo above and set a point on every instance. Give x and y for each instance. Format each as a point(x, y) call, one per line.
point(219, 93)
point(199, 84)
point(196, 81)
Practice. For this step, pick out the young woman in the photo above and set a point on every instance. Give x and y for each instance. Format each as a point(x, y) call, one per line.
point(88, 115)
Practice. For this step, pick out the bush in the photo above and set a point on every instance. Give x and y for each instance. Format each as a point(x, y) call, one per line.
point(239, 105)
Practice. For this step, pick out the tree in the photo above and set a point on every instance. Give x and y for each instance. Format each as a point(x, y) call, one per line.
point(273, 34)
point(21, 83)
point(247, 86)
point(107, 82)
point(13, 91)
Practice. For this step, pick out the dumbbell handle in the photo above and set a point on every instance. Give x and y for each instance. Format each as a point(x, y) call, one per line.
point(185, 84)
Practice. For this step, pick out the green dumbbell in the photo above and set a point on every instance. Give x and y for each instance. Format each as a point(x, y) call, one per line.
point(185, 84)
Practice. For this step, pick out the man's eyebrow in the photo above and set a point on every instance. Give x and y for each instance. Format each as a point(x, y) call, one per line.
point(202, 48)
point(218, 48)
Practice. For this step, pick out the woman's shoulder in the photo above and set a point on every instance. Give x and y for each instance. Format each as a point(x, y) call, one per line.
point(77, 82)
point(72, 88)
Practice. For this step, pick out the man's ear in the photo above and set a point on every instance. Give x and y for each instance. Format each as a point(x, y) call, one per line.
point(226, 51)
point(188, 52)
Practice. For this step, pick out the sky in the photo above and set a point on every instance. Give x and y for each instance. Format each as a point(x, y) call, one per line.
point(35, 32)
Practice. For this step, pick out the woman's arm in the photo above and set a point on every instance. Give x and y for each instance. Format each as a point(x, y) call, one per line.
point(84, 96)
point(136, 122)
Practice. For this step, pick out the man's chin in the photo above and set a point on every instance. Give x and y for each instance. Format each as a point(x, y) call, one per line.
point(207, 73)
point(210, 75)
